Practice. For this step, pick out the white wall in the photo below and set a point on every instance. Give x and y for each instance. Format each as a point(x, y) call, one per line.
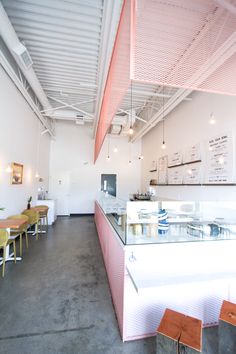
point(19, 137)
point(74, 179)
point(187, 125)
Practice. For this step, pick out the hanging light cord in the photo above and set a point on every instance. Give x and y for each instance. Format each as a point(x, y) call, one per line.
point(108, 151)
point(131, 116)
point(163, 102)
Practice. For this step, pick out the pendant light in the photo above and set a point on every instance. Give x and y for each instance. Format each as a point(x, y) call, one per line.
point(212, 119)
point(130, 153)
point(37, 153)
point(163, 146)
point(108, 149)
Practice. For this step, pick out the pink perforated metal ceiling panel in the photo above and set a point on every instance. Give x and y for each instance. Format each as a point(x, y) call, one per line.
point(180, 42)
point(118, 79)
point(175, 43)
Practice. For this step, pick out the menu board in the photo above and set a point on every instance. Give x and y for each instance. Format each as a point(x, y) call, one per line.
point(175, 175)
point(175, 159)
point(220, 160)
point(192, 174)
point(192, 154)
point(162, 169)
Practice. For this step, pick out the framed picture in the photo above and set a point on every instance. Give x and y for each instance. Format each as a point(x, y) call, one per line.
point(17, 173)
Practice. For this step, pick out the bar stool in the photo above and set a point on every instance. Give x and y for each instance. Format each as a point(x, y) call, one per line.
point(43, 215)
point(178, 333)
point(227, 328)
point(4, 242)
point(21, 231)
point(33, 220)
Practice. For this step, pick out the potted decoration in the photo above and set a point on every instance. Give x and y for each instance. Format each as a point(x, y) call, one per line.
point(2, 208)
point(29, 201)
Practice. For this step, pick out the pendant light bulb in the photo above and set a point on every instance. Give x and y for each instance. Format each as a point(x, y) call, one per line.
point(141, 157)
point(130, 161)
point(163, 146)
point(212, 119)
point(36, 175)
point(115, 149)
point(131, 131)
point(108, 158)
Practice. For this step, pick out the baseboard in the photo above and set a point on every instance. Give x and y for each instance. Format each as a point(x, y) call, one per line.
point(84, 214)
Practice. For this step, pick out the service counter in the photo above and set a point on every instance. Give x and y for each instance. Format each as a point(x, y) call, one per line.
point(190, 267)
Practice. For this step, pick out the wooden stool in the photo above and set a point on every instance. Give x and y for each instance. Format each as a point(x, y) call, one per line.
point(227, 328)
point(178, 333)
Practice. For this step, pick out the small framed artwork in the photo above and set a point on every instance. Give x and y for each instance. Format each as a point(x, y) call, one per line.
point(17, 173)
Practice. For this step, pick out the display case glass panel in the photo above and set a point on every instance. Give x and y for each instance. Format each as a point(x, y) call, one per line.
point(145, 222)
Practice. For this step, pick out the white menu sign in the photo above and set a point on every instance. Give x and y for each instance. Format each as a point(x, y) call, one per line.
point(162, 169)
point(220, 159)
point(192, 174)
point(175, 175)
point(192, 153)
point(175, 159)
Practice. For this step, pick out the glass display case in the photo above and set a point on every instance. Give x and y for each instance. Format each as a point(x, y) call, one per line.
point(145, 222)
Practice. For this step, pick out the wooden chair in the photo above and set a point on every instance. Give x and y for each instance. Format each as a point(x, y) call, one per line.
point(22, 230)
point(4, 242)
point(33, 220)
point(43, 215)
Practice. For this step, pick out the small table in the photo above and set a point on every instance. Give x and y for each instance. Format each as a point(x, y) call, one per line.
point(11, 224)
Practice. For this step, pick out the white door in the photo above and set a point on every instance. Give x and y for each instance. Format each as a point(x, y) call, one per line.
point(83, 190)
point(59, 190)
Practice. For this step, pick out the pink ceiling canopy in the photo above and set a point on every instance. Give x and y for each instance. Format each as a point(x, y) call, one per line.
point(178, 43)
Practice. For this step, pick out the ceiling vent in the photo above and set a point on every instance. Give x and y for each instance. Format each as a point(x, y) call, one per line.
point(23, 56)
point(115, 129)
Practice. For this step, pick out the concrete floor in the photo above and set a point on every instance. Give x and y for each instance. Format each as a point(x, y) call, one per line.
point(57, 300)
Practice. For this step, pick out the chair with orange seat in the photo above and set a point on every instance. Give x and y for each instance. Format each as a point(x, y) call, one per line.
point(4, 242)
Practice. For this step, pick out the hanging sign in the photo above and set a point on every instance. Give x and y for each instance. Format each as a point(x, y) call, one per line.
point(175, 159)
point(192, 174)
point(192, 154)
point(175, 175)
point(220, 160)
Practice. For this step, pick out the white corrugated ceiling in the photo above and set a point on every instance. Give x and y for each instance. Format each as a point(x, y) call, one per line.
point(64, 39)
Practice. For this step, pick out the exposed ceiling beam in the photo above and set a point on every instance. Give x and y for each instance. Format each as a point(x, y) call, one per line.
point(111, 14)
point(19, 84)
point(71, 106)
point(10, 38)
point(132, 115)
point(66, 105)
point(69, 90)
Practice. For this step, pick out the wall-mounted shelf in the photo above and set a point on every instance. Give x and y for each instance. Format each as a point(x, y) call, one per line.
point(185, 163)
point(200, 184)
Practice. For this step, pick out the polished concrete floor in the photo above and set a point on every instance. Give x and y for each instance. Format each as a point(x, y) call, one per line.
point(57, 299)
